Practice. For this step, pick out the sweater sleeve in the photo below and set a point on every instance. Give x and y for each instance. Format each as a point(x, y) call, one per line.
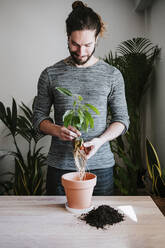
point(43, 101)
point(117, 100)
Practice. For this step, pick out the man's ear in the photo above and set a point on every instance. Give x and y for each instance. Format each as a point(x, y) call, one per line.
point(68, 36)
point(97, 38)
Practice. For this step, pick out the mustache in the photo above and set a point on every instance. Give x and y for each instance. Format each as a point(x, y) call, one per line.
point(75, 56)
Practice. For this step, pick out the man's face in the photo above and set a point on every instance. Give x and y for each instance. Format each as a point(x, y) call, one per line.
point(81, 44)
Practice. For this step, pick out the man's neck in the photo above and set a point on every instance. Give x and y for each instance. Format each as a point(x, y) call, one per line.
point(93, 60)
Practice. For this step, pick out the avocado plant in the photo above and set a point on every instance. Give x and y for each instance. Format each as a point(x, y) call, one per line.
point(80, 118)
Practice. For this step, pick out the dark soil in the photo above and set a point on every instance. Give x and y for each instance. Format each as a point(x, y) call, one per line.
point(102, 216)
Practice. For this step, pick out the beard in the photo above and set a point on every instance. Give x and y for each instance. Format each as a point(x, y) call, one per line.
point(78, 61)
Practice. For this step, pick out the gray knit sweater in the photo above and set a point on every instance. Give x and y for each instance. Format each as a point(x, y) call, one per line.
point(99, 85)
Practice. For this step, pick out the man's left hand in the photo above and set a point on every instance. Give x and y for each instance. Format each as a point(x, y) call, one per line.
point(91, 147)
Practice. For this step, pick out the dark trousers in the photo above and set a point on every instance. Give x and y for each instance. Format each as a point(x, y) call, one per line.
point(104, 185)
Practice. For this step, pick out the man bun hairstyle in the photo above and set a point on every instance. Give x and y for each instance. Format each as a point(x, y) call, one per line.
point(84, 18)
point(78, 4)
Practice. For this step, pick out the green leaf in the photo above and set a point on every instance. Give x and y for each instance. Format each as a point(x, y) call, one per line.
point(89, 118)
point(14, 116)
point(74, 104)
point(67, 117)
point(80, 98)
point(27, 111)
point(37, 186)
point(136, 45)
point(152, 159)
point(68, 112)
point(81, 116)
point(83, 107)
point(9, 121)
point(3, 113)
point(64, 91)
point(76, 122)
point(68, 120)
point(93, 108)
point(84, 125)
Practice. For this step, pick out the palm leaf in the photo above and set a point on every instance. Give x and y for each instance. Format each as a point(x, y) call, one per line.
point(14, 116)
point(37, 186)
point(152, 159)
point(27, 111)
point(3, 114)
point(9, 118)
point(136, 45)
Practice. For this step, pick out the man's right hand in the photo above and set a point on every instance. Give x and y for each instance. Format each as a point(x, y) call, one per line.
point(69, 133)
point(63, 133)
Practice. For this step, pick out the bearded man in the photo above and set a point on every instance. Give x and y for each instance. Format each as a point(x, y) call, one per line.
point(99, 84)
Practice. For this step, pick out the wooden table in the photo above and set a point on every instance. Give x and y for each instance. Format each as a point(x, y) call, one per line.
point(43, 221)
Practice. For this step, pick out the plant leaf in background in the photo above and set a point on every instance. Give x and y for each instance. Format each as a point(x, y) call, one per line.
point(14, 116)
point(9, 116)
point(152, 160)
point(135, 59)
point(28, 178)
point(155, 171)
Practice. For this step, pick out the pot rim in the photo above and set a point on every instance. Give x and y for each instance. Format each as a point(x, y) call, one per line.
point(77, 173)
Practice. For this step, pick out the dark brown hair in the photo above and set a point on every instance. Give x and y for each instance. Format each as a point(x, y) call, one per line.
point(83, 17)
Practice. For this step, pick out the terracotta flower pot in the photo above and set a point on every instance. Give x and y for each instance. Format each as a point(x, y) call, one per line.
point(78, 192)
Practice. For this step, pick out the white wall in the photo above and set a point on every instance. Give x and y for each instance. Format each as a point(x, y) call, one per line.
point(32, 36)
point(154, 28)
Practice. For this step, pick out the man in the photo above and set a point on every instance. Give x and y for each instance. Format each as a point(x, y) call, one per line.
point(100, 85)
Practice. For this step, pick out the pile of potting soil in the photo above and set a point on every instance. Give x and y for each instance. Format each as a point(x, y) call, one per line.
point(102, 216)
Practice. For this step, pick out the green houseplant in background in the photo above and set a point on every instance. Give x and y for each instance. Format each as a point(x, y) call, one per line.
point(154, 179)
point(135, 59)
point(6, 185)
point(156, 174)
point(28, 176)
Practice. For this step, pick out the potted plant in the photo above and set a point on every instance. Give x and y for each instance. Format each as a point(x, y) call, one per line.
point(78, 185)
point(154, 180)
point(28, 176)
point(135, 59)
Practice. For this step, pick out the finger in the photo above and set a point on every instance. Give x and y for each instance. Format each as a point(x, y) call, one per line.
point(88, 149)
point(74, 130)
point(67, 136)
point(89, 152)
point(70, 133)
point(87, 144)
